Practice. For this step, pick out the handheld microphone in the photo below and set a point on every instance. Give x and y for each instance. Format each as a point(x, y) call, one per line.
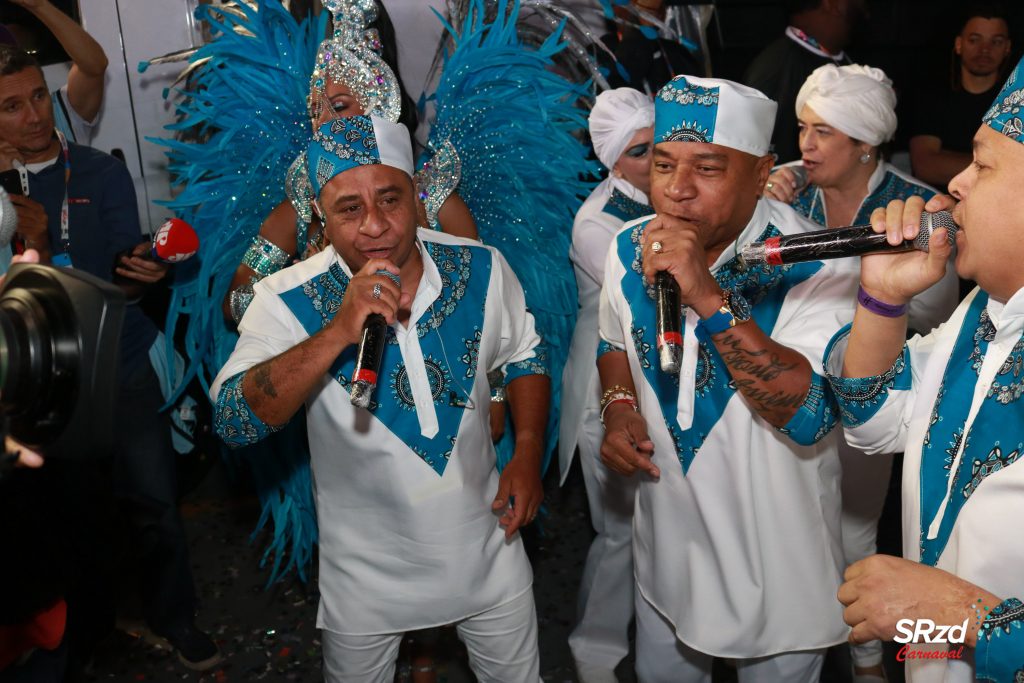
point(831, 243)
point(371, 349)
point(8, 219)
point(174, 242)
point(669, 323)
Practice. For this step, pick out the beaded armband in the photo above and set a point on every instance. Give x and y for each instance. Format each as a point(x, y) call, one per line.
point(264, 257)
point(239, 300)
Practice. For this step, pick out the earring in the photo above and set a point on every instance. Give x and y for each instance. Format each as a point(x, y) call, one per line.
point(865, 157)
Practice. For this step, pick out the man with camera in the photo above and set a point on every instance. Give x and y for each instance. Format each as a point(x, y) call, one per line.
point(417, 528)
point(80, 212)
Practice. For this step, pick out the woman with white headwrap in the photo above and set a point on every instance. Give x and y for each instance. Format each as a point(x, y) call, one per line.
point(621, 129)
point(846, 114)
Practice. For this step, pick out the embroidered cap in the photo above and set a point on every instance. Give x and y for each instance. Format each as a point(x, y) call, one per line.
point(346, 143)
point(692, 109)
point(1005, 114)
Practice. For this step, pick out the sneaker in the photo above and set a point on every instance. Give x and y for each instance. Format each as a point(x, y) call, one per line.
point(195, 649)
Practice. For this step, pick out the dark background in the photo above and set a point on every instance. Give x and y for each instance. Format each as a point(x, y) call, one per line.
point(911, 40)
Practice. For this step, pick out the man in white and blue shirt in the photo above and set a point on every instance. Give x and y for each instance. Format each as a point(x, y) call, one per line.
point(951, 401)
point(417, 529)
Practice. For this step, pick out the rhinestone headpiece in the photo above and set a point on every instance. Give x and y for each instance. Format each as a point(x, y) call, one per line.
point(352, 56)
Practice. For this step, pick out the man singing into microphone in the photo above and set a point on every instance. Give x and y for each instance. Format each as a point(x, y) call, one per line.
point(416, 527)
point(952, 401)
point(736, 528)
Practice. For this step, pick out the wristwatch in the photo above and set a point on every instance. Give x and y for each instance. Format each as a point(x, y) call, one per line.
point(734, 310)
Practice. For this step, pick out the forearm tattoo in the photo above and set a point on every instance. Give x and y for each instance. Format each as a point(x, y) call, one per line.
point(261, 378)
point(752, 369)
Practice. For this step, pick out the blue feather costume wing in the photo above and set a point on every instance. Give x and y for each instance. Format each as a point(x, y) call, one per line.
point(524, 173)
point(246, 105)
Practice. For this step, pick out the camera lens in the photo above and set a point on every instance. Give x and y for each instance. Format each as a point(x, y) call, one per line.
point(39, 353)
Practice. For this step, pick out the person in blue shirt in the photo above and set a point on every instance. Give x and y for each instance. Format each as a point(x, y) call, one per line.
point(81, 213)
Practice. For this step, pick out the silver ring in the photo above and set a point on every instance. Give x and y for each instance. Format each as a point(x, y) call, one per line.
point(376, 291)
point(769, 185)
point(656, 247)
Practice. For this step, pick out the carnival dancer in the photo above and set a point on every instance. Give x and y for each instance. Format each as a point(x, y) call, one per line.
point(417, 528)
point(621, 130)
point(736, 528)
point(951, 401)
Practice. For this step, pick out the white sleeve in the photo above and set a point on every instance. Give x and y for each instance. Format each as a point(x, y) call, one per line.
point(519, 342)
point(267, 330)
point(612, 301)
point(591, 238)
point(932, 307)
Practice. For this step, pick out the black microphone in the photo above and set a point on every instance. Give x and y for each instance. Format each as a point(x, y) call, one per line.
point(371, 349)
point(669, 323)
point(830, 243)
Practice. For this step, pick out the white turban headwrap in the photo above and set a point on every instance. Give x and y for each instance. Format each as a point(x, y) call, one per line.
point(857, 100)
point(617, 115)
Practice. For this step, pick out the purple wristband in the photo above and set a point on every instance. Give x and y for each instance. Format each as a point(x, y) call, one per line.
point(879, 307)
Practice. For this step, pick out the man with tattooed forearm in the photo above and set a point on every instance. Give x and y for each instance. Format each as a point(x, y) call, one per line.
point(736, 530)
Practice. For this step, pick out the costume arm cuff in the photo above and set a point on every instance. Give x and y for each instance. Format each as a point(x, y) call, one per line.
point(816, 416)
point(537, 365)
point(859, 398)
point(999, 653)
point(264, 257)
point(235, 422)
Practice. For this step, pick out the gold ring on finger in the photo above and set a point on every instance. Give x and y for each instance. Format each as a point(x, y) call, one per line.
point(769, 185)
point(656, 247)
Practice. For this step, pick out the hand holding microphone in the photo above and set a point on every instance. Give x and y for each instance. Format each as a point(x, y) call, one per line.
point(786, 182)
point(173, 242)
point(371, 303)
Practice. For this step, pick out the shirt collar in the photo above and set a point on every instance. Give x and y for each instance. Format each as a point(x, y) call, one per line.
point(877, 176)
point(1009, 316)
point(630, 190)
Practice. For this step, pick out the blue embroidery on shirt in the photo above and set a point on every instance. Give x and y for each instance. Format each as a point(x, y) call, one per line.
point(764, 287)
point(234, 420)
point(1000, 644)
point(810, 202)
point(994, 440)
point(624, 208)
point(457, 310)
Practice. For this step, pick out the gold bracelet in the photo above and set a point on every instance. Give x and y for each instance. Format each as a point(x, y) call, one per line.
point(615, 392)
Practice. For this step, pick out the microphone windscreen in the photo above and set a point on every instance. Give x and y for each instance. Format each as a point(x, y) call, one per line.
point(800, 172)
point(175, 241)
point(8, 219)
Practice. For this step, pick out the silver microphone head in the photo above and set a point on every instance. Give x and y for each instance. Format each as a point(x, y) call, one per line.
point(8, 219)
point(800, 173)
point(930, 222)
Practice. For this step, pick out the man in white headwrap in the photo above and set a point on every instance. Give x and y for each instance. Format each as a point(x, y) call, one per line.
point(410, 505)
point(736, 525)
point(621, 129)
point(846, 113)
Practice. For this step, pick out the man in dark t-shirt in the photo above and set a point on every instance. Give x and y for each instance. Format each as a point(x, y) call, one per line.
point(946, 117)
point(815, 37)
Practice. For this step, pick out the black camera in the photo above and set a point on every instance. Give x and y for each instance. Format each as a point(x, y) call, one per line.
point(60, 334)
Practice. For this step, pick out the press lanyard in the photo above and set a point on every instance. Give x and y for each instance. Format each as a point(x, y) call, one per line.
point(65, 233)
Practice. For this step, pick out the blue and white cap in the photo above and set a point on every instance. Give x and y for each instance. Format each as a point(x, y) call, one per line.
point(720, 112)
point(346, 143)
point(1005, 114)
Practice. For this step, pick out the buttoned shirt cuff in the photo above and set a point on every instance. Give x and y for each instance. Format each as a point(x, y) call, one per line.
point(235, 422)
point(816, 416)
point(999, 653)
point(859, 398)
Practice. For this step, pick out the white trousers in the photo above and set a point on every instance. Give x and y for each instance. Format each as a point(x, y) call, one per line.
point(865, 484)
point(605, 603)
point(502, 644)
point(662, 658)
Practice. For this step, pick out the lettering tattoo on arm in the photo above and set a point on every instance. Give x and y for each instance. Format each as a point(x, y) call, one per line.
point(754, 372)
point(261, 378)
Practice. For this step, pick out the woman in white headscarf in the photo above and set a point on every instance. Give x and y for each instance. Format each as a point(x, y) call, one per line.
point(621, 129)
point(846, 114)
